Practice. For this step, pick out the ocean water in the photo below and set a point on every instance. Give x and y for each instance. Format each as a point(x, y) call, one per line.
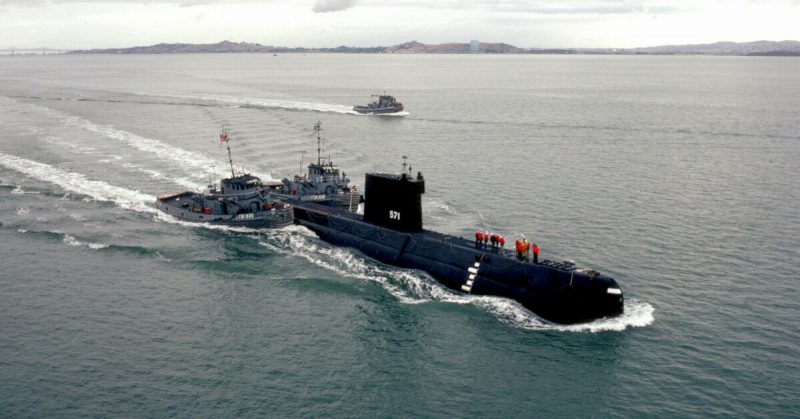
point(677, 176)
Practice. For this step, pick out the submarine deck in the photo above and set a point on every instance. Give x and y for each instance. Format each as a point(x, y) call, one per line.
point(434, 236)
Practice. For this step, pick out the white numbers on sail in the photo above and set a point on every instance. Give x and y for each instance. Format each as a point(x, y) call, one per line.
point(394, 215)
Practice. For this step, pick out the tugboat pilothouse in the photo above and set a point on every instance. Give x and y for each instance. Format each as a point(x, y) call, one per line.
point(384, 104)
point(240, 200)
point(324, 183)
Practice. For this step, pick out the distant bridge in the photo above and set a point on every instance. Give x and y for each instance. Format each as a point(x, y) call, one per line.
point(31, 51)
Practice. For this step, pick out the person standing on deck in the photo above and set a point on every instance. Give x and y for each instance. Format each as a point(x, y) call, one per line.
point(535, 253)
point(478, 239)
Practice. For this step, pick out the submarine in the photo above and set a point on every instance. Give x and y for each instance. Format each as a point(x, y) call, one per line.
point(390, 230)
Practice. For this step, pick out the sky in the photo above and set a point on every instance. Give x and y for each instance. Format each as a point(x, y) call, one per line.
point(73, 24)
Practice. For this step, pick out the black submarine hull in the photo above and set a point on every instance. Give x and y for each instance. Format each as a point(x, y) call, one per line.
point(556, 292)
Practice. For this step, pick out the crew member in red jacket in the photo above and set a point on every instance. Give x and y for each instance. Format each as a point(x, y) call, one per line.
point(535, 253)
point(478, 239)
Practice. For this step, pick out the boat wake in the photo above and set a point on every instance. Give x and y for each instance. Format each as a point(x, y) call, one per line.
point(302, 242)
point(416, 287)
point(261, 103)
point(192, 162)
point(78, 183)
point(72, 241)
point(149, 98)
point(118, 160)
point(196, 165)
point(637, 314)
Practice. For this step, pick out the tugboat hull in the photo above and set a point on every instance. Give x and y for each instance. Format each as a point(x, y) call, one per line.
point(280, 215)
point(377, 111)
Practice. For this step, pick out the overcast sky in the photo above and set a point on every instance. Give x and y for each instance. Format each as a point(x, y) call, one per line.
point(70, 24)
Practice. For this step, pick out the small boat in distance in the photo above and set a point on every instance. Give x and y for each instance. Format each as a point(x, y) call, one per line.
point(241, 200)
point(384, 104)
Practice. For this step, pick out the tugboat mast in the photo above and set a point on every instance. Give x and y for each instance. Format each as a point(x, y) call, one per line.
point(223, 137)
point(317, 129)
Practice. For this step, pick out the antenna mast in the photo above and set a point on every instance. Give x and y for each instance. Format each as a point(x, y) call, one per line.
point(223, 136)
point(317, 129)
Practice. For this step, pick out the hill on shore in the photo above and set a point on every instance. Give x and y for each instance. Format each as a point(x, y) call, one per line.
point(766, 48)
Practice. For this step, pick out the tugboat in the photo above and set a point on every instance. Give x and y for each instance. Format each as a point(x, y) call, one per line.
point(390, 230)
point(324, 183)
point(240, 200)
point(384, 104)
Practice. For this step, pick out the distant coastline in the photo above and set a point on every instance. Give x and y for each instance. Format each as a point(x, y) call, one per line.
point(757, 48)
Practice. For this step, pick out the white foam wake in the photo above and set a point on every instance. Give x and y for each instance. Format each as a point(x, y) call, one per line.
point(416, 287)
point(155, 174)
point(283, 104)
point(115, 159)
point(194, 164)
point(78, 183)
point(269, 103)
point(167, 218)
point(302, 242)
point(72, 241)
point(637, 314)
point(188, 160)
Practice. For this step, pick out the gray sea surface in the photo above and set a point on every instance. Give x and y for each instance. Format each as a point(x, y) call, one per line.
point(676, 175)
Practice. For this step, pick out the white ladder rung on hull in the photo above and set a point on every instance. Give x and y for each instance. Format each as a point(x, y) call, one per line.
point(472, 275)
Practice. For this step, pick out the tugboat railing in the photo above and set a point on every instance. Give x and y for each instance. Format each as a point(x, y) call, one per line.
point(243, 195)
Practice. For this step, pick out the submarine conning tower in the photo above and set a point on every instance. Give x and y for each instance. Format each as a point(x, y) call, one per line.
point(394, 201)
